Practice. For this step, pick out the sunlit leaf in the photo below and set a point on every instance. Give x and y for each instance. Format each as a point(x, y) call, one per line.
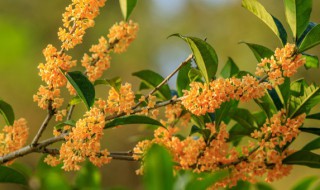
point(114, 82)
point(274, 24)
point(312, 39)
point(306, 31)
point(153, 79)
point(132, 119)
point(10, 175)
point(83, 87)
point(7, 112)
point(158, 169)
point(205, 56)
point(312, 61)
point(194, 74)
point(305, 183)
point(304, 158)
point(263, 186)
point(61, 125)
point(229, 69)
point(127, 7)
point(298, 15)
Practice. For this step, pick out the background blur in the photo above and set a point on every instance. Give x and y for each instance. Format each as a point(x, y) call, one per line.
point(27, 26)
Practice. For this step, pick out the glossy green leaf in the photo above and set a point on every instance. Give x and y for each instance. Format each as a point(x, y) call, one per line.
point(267, 105)
point(158, 169)
point(306, 31)
point(274, 24)
point(83, 87)
point(222, 114)
point(298, 15)
point(153, 79)
point(143, 86)
point(229, 69)
point(127, 7)
point(312, 130)
point(304, 103)
point(61, 125)
point(312, 39)
point(304, 158)
point(312, 61)
point(205, 56)
point(183, 79)
point(114, 82)
point(194, 74)
point(313, 145)
point(305, 183)
point(259, 51)
point(132, 119)
point(283, 91)
point(314, 116)
point(9, 175)
point(207, 180)
point(88, 177)
point(244, 118)
point(263, 186)
point(7, 112)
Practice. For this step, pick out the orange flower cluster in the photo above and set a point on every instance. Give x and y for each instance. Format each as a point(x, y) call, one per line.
point(13, 137)
point(203, 98)
point(214, 153)
point(284, 63)
point(121, 101)
point(79, 16)
point(121, 35)
point(83, 142)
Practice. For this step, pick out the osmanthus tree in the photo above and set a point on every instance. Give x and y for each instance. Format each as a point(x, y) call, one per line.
point(211, 155)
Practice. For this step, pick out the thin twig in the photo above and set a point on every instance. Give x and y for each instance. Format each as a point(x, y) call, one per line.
point(70, 112)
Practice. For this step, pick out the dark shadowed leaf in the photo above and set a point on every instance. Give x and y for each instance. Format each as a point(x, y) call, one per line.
point(222, 114)
point(263, 186)
point(207, 180)
point(283, 91)
point(267, 105)
point(9, 175)
point(153, 79)
point(229, 69)
point(158, 169)
point(205, 56)
point(313, 145)
point(7, 112)
point(127, 7)
point(312, 39)
point(298, 15)
point(304, 158)
point(244, 118)
point(274, 24)
point(243, 185)
point(83, 87)
point(259, 51)
point(307, 30)
point(132, 119)
point(183, 79)
point(314, 116)
point(312, 130)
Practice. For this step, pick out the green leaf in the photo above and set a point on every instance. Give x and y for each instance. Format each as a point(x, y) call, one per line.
point(267, 105)
point(143, 86)
point(158, 169)
point(283, 91)
point(314, 116)
point(304, 103)
point(311, 130)
point(306, 31)
point(305, 183)
point(83, 87)
point(304, 158)
point(132, 119)
point(7, 112)
point(183, 79)
point(312, 39)
point(243, 185)
point(312, 61)
point(205, 56)
point(260, 118)
point(61, 125)
point(127, 7)
point(9, 175)
point(114, 82)
point(152, 79)
point(207, 180)
point(222, 113)
point(263, 186)
point(88, 177)
point(298, 15)
point(274, 24)
point(75, 100)
point(313, 145)
point(237, 132)
point(244, 118)
point(259, 51)
point(194, 74)
point(229, 69)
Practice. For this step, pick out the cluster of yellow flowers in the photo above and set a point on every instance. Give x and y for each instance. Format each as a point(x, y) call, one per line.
point(121, 101)
point(284, 63)
point(13, 137)
point(214, 153)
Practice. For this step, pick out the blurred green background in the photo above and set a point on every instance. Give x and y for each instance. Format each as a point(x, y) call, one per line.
point(27, 26)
